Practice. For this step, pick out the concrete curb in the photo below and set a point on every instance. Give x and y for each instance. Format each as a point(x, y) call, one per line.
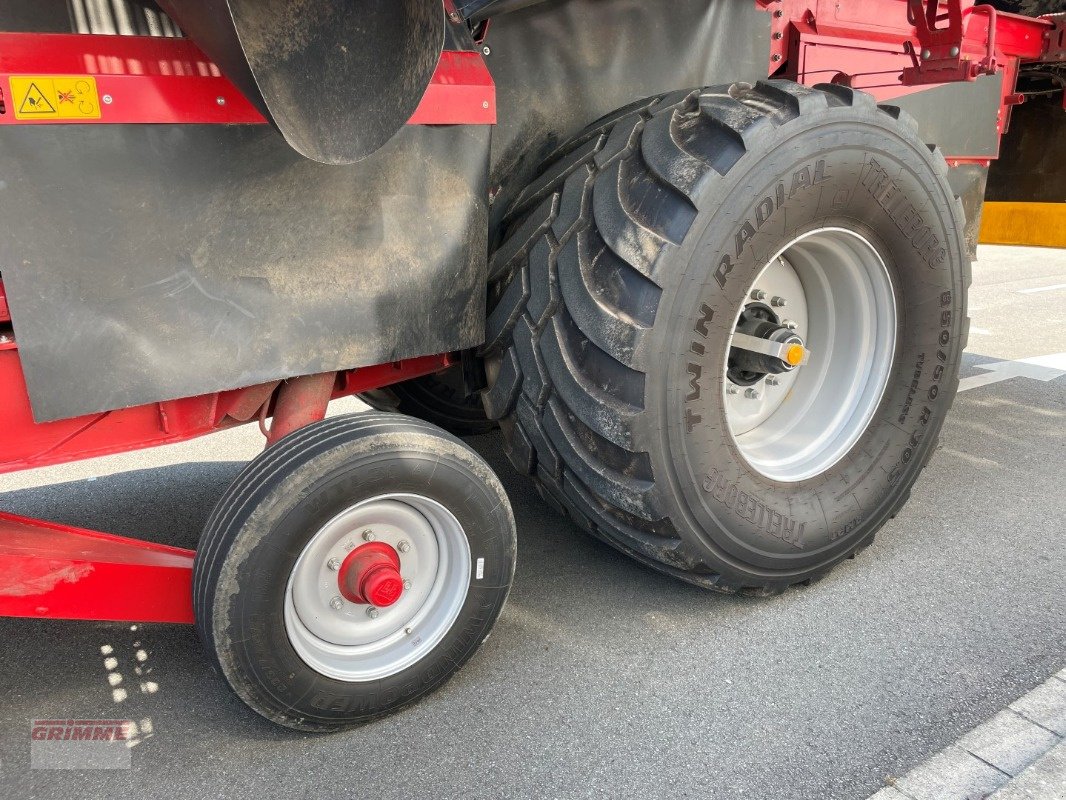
point(1019, 754)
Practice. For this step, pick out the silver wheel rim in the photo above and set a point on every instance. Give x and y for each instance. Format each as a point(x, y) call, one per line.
point(342, 640)
point(839, 297)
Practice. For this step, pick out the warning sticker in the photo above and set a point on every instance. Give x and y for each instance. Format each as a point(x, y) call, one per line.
point(55, 97)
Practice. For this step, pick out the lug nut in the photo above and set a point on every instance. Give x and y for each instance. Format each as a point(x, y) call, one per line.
point(404, 546)
point(752, 393)
point(771, 381)
point(372, 612)
point(778, 302)
point(334, 564)
point(336, 604)
point(789, 324)
point(758, 294)
point(368, 535)
point(731, 388)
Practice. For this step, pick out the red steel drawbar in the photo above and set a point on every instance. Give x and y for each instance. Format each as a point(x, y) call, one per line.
point(61, 572)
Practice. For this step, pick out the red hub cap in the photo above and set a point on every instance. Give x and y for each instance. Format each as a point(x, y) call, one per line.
point(370, 575)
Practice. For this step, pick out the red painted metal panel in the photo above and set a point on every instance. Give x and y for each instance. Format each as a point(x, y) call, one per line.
point(138, 79)
point(871, 35)
point(865, 45)
point(61, 572)
point(1015, 36)
point(162, 80)
point(461, 92)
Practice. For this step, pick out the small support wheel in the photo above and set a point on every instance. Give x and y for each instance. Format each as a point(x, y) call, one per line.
point(352, 568)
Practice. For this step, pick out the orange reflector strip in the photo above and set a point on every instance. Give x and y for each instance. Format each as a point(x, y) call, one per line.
point(1040, 224)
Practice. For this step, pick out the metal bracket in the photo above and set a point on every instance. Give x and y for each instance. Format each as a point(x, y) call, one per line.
point(940, 59)
point(1055, 39)
point(766, 347)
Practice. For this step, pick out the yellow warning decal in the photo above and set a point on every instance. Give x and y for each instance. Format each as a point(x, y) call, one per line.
point(47, 97)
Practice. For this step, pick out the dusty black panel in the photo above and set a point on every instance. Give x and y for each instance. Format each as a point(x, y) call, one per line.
point(959, 117)
point(968, 183)
point(158, 261)
point(1032, 160)
point(560, 65)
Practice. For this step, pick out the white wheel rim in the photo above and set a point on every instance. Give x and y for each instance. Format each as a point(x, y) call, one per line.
point(346, 642)
point(839, 294)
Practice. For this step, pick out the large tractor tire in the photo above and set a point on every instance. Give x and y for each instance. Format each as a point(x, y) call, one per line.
point(726, 327)
point(439, 398)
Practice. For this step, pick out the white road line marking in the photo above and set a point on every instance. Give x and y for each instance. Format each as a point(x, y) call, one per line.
point(1040, 368)
point(1054, 288)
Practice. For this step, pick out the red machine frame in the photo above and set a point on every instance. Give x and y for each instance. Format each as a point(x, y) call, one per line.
point(58, 571)
point(158, 80)
point(812, 39)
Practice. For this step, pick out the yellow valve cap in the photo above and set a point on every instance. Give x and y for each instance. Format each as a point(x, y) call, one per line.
point(794, 355)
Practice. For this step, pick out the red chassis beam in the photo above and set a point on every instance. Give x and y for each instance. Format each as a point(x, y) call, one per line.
point(61, 572)
point(137, 79)
point(25, 444)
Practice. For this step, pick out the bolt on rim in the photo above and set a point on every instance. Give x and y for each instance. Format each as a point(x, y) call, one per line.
point(359, 641)
point(830, 293)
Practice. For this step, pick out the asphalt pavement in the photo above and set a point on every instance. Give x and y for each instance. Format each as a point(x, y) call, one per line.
point(603, 678)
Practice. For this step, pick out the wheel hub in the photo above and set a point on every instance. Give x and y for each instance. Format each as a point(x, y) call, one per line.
point(370, 574)
point(793, 412)
point(360, 610)
point(762, 346)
